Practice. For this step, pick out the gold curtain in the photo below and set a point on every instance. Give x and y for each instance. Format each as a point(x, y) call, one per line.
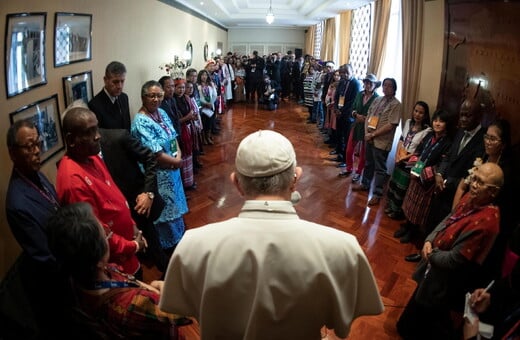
point(328, 41)
point(412, 16)
point(381, 19)
point(345, 23)
point(309, 40)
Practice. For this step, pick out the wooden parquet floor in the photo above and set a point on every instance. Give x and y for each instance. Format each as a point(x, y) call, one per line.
point(326, 199)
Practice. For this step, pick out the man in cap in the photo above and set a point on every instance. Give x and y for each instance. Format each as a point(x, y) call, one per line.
point(267, 274)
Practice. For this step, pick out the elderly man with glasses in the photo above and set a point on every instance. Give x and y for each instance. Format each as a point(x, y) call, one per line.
point(27, 295)
point(452, 258)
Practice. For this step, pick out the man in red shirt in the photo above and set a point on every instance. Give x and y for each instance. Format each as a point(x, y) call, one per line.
point(83, 177)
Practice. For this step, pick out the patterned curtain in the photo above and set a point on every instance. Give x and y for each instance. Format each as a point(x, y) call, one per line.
point(328, 40)
point(412, 50)
point(309, 40)
point(381, 19)
point(345, 21)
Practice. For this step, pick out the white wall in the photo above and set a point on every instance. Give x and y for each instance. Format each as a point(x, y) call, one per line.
point(433, 51)
point(265, 40)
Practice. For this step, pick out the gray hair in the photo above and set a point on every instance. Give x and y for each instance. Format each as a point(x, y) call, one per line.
point(148, 84)
point(270, 185)
point(115, 68)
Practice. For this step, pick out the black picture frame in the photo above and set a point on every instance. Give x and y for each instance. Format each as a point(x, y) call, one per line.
point(77, 86)
point(72, 38)
point(24, 52)
point(189, 51)
point(206, 51)
point(46, 117)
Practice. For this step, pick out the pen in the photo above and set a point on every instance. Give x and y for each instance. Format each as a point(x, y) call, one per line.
point(488, 287)
point(484, 291)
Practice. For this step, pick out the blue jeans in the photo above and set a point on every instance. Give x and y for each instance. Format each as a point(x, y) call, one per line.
point(375, 164)
point(317, 113)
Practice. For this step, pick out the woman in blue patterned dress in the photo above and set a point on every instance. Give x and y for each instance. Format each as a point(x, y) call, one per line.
point(155, 130)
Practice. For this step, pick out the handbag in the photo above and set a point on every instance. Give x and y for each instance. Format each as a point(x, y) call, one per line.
point(401, 152)
point(427, 175)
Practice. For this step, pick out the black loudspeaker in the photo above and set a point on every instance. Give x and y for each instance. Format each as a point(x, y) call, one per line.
point(298, 52)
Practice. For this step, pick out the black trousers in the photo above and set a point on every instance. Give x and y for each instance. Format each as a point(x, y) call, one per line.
point(424, 322)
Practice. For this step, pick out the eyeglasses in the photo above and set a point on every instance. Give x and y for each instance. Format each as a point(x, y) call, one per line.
point(480, 183)
point(31, 147)
point(491, 139)
point(154, 95)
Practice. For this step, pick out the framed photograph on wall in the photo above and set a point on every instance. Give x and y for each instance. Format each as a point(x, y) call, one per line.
point(24, 52)
point(77, 86)
point(45, 115)
point(72, 38)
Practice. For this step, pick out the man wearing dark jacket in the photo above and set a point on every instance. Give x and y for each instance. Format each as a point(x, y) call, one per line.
point(123, 155)
point(111, 104)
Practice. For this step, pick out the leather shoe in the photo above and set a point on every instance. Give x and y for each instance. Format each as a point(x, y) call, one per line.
point(333, 152)
point(413, 258)
point(182, 321)
point(192, 187)
point(374, 201)
point(400, 232)
point(344, 174)
point(398, 216)
point(359, 187)
point(406, 238)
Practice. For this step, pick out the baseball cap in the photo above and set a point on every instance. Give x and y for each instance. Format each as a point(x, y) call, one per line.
point(264, 153)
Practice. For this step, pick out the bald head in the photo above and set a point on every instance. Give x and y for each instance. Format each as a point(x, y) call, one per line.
point(74, 117)
point(80, 127)
point(491, 173)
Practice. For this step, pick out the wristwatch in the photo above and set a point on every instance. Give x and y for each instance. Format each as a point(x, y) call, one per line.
point(150, 195)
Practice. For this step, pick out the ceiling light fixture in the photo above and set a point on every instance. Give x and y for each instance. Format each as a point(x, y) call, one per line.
point(270, 16)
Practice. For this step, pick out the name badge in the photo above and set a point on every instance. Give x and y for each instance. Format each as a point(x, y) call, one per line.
point(173, 146)
point(341, 101)
point(372, 122)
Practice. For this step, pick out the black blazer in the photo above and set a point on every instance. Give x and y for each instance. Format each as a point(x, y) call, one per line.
point(350, 88)
point(122, 154)
point(111, 115)
point(456, 165)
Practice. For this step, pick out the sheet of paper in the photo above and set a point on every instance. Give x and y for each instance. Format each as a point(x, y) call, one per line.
point(469, 313)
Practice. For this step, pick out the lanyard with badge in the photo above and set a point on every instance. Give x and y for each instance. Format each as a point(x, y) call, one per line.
point(417, 169)
point(173, 142)
point(341, 99)
point(374, 119)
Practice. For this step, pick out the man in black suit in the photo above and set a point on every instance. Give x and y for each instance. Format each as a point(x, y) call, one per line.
point(111, 104)
point(122, 154)
point(468, 144)
point(346, 92)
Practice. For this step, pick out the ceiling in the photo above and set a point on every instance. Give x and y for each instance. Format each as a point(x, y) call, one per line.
point(287, 13)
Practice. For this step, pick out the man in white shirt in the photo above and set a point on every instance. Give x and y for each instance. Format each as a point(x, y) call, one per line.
point(267, 274)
